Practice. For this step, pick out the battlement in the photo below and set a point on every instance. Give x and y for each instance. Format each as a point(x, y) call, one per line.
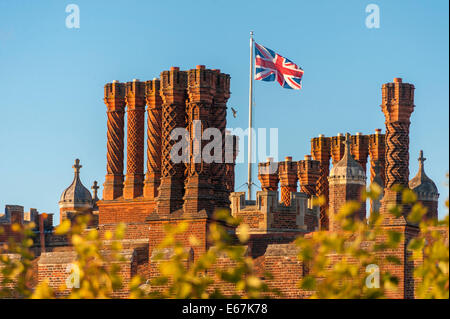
point(266, 214)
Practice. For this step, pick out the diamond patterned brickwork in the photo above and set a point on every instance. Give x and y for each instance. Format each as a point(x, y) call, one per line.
point(287, 173)
point(134, 179)
point(115, 103)
point(308, 172)
point(171, 191)
point(320, 150)
point(377, 155)
point(154, 123)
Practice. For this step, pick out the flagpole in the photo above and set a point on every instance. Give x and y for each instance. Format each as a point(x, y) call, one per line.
point(250, 104)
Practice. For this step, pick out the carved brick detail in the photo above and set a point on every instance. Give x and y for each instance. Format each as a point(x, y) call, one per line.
point(377, 155)
point(154, 123)
point(218, 119)
point(135, 98)
point(171, 191)
point(287, 173)
point(308, 171)
point(320, 150)
point(397, 154)
point(115, 102)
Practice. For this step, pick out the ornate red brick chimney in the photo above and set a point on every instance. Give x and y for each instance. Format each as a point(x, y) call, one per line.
point(320, 150)
point(154, 109)
point(360, 149)
point(171, 190)
point(287, 172)
point(268, 175)
point(115, 103)
point(308, 172)
point(377, 155)
point(397, 106)
point(199, 192)
point(218, 119)
point(337, 148)
point(134, 179)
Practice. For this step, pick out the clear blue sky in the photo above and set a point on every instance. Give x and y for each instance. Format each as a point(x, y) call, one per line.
point(52, 78)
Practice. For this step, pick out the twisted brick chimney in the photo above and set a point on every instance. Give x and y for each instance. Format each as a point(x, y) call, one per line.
point(134, 179)
point(154, 123)
point(115, 103)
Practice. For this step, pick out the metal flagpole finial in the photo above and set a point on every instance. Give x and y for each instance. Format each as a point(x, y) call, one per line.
point(251, 33)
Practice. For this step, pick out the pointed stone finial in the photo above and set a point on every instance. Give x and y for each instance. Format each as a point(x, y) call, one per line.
point(95, 188)
point(421, 159)
point(77, 166)
point(347, 143)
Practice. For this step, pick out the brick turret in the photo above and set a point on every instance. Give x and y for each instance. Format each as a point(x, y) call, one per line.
point(134, 179)
point(347, 180)
point(287, 172)
point(115, 103)
point(171, 191)
point(154, 109)
point(320, 150)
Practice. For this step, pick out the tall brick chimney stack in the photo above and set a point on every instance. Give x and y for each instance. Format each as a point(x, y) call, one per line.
point(377, 155)
point(308, 171)
point(218, 119)
point(171, 190)
point(287, 172)
point(154, 109)
point(360, 149)
point(268, 175)
point(337, 148)
point(199, 191)
point(115, 103)
point(397, 106)
point(134, 179)
point(320, 150)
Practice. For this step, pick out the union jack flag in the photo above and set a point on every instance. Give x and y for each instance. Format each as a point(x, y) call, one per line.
point(270, 65)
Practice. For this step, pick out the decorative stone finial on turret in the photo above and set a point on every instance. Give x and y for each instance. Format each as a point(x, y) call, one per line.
point(425, 188)
point(76, 198)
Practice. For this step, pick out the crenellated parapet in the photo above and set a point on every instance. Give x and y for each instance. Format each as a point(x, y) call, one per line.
point(267, 214)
